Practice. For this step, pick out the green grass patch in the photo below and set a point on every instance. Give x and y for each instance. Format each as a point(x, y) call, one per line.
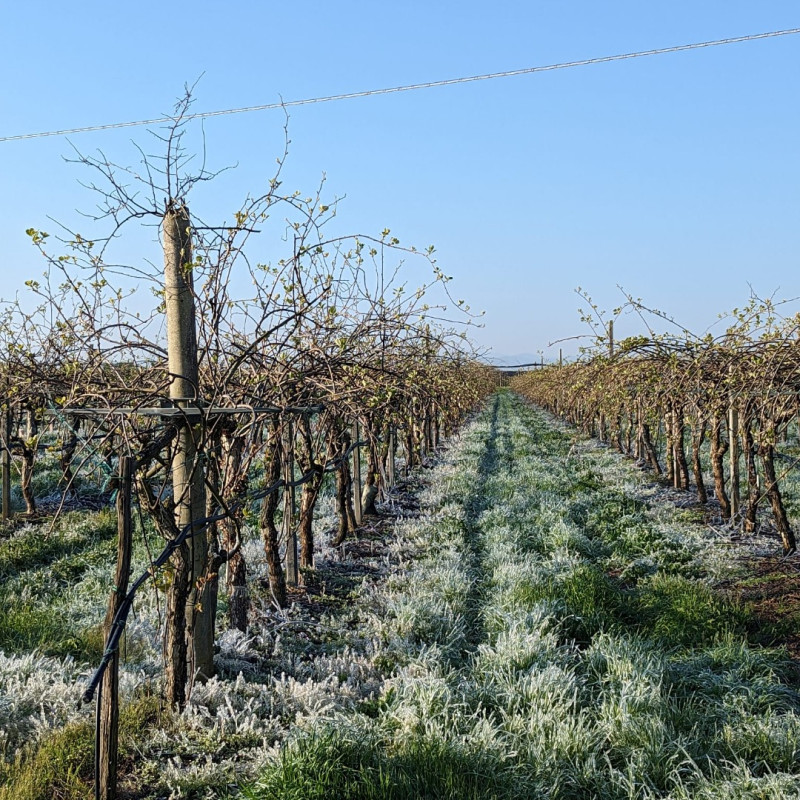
point(622, 524)
point(686, 613)
point(25, 627)
point(590, 600)
point(76, 533)
point(355, 765)
point(61, 765)
point(38, 570)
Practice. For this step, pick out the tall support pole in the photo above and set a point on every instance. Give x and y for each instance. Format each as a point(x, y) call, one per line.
point(108, 698)
point(602, 421)
point(5, 423)
point(733, 454)
point(390, 465)
point(640, 451)
point(560, 357)
point(188, 483)
point(357, 509)
point(289, 529)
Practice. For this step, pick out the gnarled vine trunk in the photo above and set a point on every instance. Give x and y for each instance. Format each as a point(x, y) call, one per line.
point(776, 501)
point(718, 450)
point(753, 490)
point(310, 492)
point(698, 435)
point(269, 507)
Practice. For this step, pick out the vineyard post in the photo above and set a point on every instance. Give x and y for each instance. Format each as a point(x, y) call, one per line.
point(108, 744)
point(560, 357)
point(187, 472)
point(427, 431)
point(357, 509)
point(5, 421)
point(289, 530)
point(390, 465)
point(733, 452)
point(640, 451)
point(611, 338)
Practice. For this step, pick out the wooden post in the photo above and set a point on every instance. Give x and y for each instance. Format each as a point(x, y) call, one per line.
point(401, 447)
point(289, 529)
point(188, 484)
point(108, 746)
point(560, 357)
point(677, 478)
point(357, 509)
point(733, 453)
point(5, 422)
point(640, 451)
point(611, 338)
point(390, 464)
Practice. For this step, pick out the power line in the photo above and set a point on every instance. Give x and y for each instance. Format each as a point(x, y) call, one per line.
point(408, 88)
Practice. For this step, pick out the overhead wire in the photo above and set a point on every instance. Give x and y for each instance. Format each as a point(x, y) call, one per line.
point(406, 88)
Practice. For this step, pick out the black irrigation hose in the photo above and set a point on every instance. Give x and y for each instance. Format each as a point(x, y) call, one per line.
point(192, 529)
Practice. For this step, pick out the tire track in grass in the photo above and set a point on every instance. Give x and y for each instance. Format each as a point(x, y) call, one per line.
point(473, 536)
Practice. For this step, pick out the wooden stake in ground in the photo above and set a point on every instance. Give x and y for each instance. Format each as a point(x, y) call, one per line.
point(289, 530)
point(733, 454)
point(5, 421)
point(357, 508)
point(187, 472)
point(390, 460)
point(108, 744)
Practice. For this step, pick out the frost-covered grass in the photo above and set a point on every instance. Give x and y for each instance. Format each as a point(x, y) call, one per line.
point(55, 584)
point(54, 587)
point(557, 639)
point(540, 629)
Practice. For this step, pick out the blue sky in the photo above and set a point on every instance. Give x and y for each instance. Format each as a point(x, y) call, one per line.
point(676, 176)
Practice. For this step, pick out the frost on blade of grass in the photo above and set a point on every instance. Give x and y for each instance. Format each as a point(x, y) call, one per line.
point(39, 694)
point(737, 781)
point(256, 708)
point(520, 642)
point(36, 693)
point(436, 610)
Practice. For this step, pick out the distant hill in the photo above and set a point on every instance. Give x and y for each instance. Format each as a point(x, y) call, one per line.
point(503, 360)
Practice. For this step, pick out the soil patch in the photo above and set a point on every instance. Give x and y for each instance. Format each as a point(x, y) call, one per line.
point(770, 588)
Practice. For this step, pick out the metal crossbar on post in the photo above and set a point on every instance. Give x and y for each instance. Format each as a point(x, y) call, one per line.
point(171, 412)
